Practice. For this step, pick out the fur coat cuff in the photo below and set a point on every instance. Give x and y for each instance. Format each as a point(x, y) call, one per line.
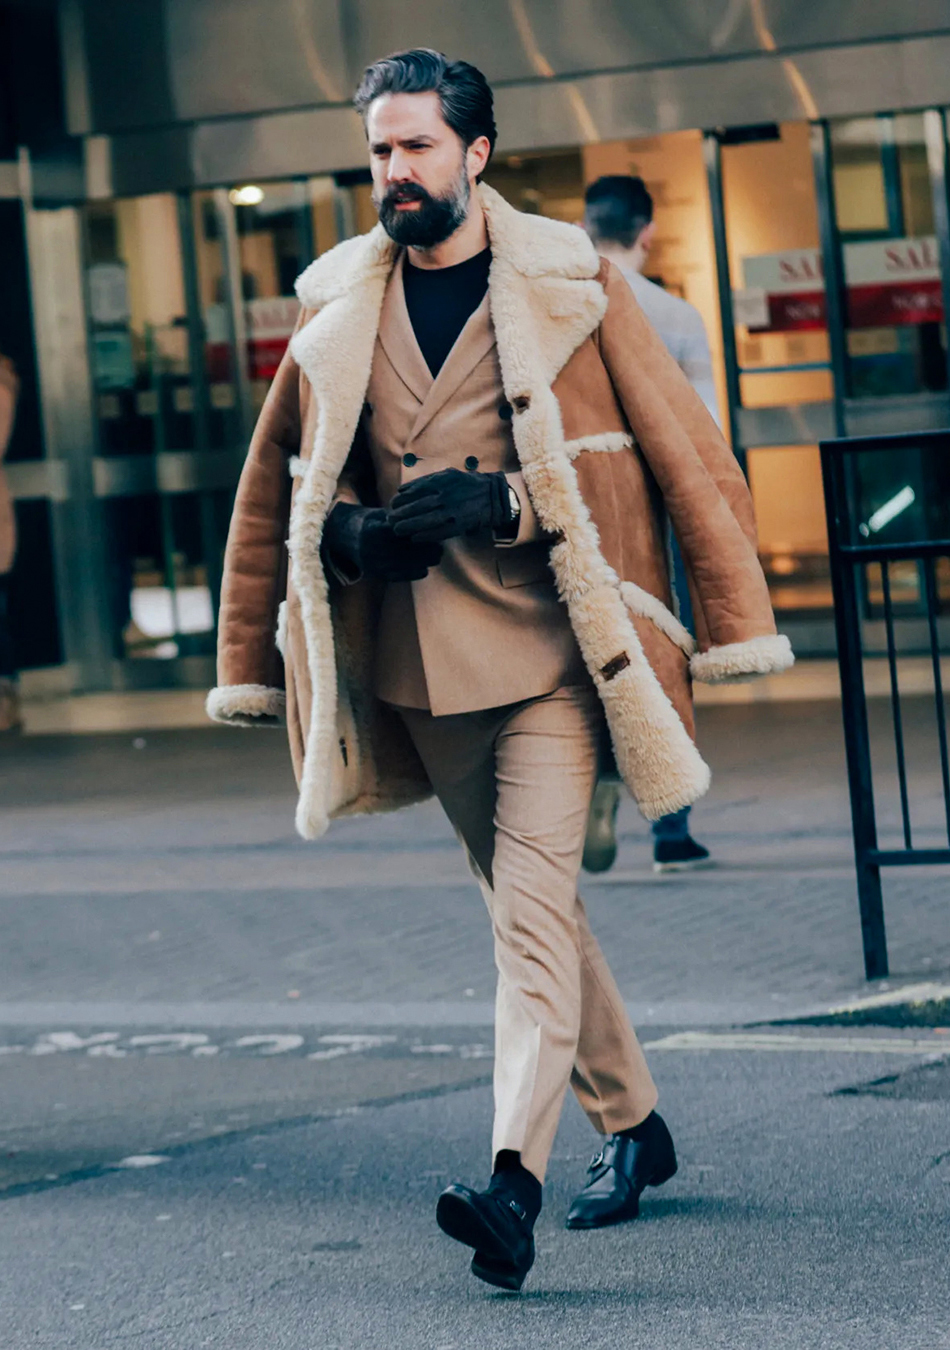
point(739, 661)
point(246, 705)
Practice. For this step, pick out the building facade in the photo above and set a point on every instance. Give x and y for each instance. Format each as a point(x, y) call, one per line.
point(797, 154)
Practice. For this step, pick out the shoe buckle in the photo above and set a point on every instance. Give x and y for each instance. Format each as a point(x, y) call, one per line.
point(513, 1205)
point(596, 1160)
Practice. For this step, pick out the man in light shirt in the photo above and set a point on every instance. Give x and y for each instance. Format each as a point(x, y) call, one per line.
point(618, 217)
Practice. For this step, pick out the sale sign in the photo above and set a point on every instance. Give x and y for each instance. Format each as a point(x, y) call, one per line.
point(893, 282)
point(890, 282)
point(789, 289)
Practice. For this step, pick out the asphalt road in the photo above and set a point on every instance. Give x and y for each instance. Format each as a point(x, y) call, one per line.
point(802, 1215)
point(235, 1070)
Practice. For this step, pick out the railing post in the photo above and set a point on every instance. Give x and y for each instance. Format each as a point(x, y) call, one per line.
point(855, 718)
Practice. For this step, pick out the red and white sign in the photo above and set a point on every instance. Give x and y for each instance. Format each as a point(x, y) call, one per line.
point(792, 287)
point(892, 282)
point(889, 282)
point(270, 323)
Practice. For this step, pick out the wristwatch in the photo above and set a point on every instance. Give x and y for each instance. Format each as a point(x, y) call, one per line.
point(514, 501)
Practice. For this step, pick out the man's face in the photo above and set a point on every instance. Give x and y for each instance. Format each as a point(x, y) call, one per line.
point(422, 173)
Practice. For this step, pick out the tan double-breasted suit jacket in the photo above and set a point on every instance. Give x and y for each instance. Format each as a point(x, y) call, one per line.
point(439, 639)
point(610, 440)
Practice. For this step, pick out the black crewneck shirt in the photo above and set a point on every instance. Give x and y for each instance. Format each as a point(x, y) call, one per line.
point(440, 301)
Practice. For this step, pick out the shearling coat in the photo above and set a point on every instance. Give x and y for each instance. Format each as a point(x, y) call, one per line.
point(611, 440)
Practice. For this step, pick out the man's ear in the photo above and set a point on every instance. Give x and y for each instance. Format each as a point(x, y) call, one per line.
point(646, 236)
point(477, 156)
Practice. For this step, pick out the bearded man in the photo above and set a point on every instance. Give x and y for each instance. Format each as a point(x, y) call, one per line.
point(470, 447)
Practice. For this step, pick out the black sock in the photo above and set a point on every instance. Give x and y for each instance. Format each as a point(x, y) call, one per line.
point(517, 1183)
point(641, 1131)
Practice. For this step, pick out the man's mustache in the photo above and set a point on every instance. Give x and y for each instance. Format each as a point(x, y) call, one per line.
point(406, 192)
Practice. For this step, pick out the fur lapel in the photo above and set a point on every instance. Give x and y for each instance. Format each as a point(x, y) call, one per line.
point(335, 351)
point(545, 301)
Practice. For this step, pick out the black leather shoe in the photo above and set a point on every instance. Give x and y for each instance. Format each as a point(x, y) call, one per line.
point(498, 1230)
point(620, 1172)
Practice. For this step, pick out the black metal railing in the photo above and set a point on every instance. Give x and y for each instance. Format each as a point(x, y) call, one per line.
point(888, 507)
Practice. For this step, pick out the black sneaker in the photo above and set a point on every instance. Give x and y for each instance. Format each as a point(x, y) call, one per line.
point(679, 855)
point(498, 1229)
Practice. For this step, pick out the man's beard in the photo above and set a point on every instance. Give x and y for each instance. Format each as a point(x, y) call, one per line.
point(434, 220)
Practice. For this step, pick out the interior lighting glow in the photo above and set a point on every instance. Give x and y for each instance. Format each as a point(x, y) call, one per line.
point(886, 513)
point(249, 195)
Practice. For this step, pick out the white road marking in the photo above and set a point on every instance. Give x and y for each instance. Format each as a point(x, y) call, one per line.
point(340, 1044)
point(162, 1043)
point(271, 1045)
point(748, 1040)
point(143, 1160)
point(55, 1041)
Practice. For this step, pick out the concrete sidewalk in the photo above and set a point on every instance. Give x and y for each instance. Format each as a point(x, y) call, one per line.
point(161, 871)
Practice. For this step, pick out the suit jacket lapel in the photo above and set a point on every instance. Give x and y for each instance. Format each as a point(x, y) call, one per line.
point(398, 340)
point(475, 341)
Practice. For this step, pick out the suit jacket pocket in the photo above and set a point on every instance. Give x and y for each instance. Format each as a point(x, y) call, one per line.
point(524, 564)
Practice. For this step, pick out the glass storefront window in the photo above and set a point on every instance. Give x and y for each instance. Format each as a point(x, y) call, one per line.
point(896, 333)
point(546, 183)
point(772, 233)
point(281, 227)
point(225, 419)
point(138, 328)
point(274, 229)
point(147, 397)
point(326, 215)
point(793, 542)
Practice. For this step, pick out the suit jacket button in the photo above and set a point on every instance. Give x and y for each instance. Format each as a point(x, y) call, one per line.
point(409, 459)
point(471, 463)
point(505, 411)
point(522, 403)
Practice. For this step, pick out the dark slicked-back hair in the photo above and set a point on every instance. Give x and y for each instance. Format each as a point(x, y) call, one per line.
point(616, 209)
point(464, 93)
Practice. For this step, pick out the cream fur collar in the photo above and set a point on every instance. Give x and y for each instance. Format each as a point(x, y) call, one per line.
point(533, 246)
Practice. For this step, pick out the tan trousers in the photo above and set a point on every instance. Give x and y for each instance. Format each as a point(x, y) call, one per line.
point(516, 783)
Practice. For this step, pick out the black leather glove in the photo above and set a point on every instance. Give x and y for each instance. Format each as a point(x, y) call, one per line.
point(447, 504)
point(360, 541)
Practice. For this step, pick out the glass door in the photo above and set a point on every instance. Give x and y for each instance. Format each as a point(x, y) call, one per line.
point(190, 305)
point(149, 401)
point(895, 352)
point(776, 347)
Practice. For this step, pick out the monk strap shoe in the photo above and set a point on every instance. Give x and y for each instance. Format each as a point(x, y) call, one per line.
point(498, 1229)
point(621, 1171)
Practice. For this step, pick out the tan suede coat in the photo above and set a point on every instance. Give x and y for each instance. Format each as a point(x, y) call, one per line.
point(610, 438)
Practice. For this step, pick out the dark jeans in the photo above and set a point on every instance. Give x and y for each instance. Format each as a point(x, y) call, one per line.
point(675, 826)
point(7, 662)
